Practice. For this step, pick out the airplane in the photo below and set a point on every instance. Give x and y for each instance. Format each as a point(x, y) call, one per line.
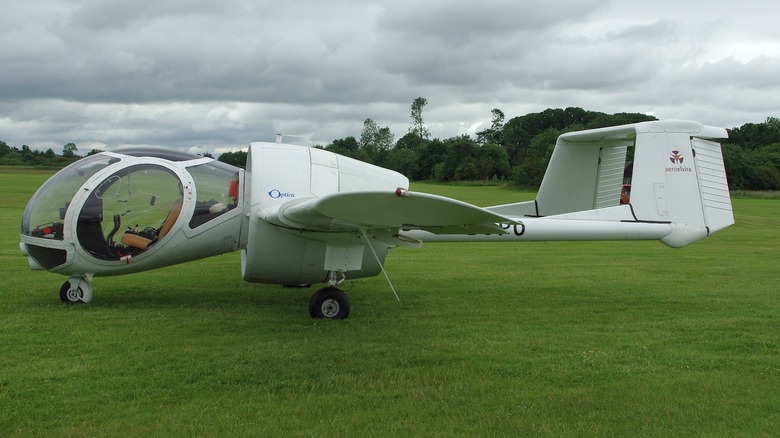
point(303, 216)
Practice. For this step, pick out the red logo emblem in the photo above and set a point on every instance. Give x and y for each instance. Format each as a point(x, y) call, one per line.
point(676, 157)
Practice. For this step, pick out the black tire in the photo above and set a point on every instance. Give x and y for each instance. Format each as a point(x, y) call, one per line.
point(70, 295)
point(329, 303)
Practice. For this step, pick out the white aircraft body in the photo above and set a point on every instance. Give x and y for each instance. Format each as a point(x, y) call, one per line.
point(302, 216)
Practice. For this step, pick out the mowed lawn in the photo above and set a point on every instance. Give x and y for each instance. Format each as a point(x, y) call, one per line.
point(534, 339)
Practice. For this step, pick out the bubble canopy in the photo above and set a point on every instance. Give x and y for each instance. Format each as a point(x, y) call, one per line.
point(44, 213)
point(117, 205)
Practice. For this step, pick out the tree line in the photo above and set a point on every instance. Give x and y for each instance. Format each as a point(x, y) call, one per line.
point(515, 151)
point(26, 156)
point(518, 151)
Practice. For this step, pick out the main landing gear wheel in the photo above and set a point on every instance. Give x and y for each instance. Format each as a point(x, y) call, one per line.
point(329, 303)
point(76, 290)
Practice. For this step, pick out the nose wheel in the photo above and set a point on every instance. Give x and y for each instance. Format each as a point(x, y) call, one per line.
point(76, 290)
point(329, 303)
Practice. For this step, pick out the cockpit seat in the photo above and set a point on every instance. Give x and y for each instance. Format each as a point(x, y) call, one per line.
point(136, 241)
point(142, 241)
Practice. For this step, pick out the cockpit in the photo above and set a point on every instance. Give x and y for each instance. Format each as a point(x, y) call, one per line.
point(129, 211)
point(115, 206)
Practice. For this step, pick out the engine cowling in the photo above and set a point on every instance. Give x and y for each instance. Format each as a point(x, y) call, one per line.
point(280, 173)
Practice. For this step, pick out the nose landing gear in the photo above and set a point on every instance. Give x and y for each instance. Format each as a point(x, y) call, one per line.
point(76, 290)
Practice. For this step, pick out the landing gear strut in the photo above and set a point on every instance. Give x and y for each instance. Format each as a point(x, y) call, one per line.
point(75, 290)
point(329, 303)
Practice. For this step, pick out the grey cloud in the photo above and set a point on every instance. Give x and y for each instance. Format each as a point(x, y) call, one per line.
point(195, 73)
point(458, 23)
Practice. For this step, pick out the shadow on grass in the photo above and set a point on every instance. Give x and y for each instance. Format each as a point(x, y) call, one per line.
point(274, 300)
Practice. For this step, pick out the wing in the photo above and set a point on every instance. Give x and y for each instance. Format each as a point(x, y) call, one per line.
point(400, 210)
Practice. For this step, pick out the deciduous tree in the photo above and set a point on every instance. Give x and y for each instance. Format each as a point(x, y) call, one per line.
point(69, 150)
point(418, 125)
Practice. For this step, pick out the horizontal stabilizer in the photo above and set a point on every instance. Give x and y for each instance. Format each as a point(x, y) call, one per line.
point(394, 210)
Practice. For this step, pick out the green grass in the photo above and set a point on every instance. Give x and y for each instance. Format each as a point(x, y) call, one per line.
point(756, 194)
point(542, 338)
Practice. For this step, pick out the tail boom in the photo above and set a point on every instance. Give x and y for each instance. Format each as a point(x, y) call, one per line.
point(547, 229)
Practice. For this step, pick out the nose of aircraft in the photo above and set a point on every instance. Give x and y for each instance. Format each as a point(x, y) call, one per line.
point(113, 207)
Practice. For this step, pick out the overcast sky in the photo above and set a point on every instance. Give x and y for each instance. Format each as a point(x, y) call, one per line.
point(211, 76)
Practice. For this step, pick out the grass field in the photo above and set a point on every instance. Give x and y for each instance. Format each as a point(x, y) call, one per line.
point(535, 339)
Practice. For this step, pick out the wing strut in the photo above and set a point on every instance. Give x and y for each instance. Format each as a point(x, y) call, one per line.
point(381, 265)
